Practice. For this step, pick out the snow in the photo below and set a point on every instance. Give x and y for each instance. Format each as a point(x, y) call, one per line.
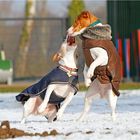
point(98, 120)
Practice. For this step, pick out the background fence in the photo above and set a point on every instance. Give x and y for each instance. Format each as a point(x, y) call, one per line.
point(123, 16)
point(47, 37)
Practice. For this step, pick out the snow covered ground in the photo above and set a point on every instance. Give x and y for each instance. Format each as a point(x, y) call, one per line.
point(98, 120)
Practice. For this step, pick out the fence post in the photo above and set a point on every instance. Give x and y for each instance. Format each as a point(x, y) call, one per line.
point(2, 53)
point(134, 45)
point(127, 57)
point(120, 47)
point(138, 32)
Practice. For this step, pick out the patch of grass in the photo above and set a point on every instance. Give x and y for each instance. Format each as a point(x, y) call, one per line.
point(123, 86)
point(13, 88)
point(130, 85)
point(21, 87)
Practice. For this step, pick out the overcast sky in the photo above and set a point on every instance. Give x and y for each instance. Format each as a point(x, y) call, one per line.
point(58, 7)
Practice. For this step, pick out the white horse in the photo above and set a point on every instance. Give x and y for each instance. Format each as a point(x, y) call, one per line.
point(67, 60)
point(100, 56)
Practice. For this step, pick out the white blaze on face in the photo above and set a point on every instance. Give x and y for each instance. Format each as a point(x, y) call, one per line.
point(71, 31)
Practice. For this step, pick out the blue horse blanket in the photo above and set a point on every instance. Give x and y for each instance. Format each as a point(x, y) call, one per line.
point(56, 76)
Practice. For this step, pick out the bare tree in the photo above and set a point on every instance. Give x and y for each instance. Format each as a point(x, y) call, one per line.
point(21, 62)
point(43, 27)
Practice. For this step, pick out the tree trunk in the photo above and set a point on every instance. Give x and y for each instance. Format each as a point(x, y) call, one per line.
point(43, 28)
point(21, 63)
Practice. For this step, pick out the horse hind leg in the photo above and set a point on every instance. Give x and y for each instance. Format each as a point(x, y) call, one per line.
point(87, 105)
point(112, 103)
point(28, 109)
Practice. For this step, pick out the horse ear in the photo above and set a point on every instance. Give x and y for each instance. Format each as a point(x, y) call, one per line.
point(85, 14)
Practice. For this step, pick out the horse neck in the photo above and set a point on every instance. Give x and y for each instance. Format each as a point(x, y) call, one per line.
point(70, 59)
